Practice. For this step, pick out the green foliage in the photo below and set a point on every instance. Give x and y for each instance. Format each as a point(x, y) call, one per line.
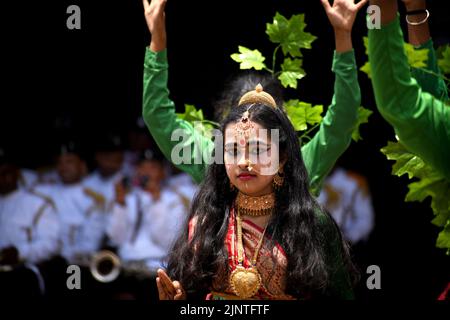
point(249, 59)
point(302, 113)
point(427, 183)
point(196, 118)
point(291, 37)
point(444, 61)
point(291, 72)
point(363, 117)
point(290, 34)
point(417, 58)
point(366, 69)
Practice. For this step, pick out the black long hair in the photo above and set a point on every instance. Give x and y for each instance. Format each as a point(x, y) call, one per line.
point(295, 225)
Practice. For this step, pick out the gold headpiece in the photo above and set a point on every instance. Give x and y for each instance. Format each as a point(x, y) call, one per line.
point(258, 96)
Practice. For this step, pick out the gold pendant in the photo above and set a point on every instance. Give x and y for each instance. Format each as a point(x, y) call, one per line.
point(245, 282)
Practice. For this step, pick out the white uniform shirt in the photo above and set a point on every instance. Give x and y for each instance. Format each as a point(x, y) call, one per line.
point(28, 179)
point(162, 221)
point(29, 223)
point(350, 204)
point(82, 219)
point(183, 184)
point(104, 186)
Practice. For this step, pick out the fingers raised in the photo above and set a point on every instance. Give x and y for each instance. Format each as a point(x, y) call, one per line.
point(326, 4)
point(361, 4)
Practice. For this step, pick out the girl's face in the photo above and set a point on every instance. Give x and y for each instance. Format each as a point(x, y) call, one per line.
point(251, 163)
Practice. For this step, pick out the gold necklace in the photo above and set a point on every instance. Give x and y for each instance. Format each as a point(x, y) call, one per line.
point(245, 282)
point(255, 206)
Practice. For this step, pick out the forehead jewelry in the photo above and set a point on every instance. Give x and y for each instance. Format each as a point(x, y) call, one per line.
point(258, 96)
point(245, 126)
point(243, 129)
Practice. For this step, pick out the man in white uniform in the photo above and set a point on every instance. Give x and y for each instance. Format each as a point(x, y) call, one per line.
point(346, 196)
point(80, 209)
point(29, 231)
point(147, 219)
point(109, 157)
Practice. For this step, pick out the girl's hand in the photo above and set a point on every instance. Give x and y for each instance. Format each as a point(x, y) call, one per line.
point(342, 13)
point(168, 289)
point(156, 23)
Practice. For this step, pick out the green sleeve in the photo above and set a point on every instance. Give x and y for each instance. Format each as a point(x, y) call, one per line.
point(335, 132)
point(421, 121)
point(339, 281)
point(428, 82)
point(160, 117)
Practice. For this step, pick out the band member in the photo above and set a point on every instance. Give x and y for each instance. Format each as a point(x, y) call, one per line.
point(29, 232)
point(147, 218)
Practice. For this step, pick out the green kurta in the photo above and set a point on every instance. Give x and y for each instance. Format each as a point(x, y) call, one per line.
point(421, 121)
point(428, 82)
point(319, 155)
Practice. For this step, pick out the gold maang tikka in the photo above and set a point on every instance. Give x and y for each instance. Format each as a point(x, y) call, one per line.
point(245, 126)
point(243, 129)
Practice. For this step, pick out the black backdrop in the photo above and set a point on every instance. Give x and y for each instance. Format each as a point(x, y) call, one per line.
point(91, 78)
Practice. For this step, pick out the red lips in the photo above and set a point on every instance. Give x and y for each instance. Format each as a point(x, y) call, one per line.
point(246, 176)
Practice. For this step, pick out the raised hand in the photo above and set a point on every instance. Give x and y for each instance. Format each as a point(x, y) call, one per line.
point(156, 23)
point(342, 13)
point(168, 289)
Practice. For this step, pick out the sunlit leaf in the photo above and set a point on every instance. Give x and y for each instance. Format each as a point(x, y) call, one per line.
point(249, 59)
point(444, 62)
point(363, 117)
point(291, 72)
point(302, 113)
point(290, 34)
point(417, 58)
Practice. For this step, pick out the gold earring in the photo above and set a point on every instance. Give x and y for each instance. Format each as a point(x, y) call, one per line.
point(278, 179)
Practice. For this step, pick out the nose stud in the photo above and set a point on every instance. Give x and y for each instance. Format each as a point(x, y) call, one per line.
point(249, 165)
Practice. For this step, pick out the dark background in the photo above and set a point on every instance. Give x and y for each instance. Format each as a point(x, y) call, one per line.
point(90, 80)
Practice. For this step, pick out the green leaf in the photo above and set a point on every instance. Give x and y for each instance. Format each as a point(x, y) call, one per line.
point(363, 117)
point(290, 34)
point(430, 183)
point(196, 119)
point(366, 44)
point(433, 185)
point(443, 240)
point(444, 63)
point(406, 162)
point(417, 58)
point(291, 72)
point(249, 59)
point(191, 114)
point(440, 203)
point(423, 188)
point(366, 69)
point(302, 113)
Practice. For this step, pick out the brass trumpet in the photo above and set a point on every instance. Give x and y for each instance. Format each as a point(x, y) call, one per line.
point(105, 266)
